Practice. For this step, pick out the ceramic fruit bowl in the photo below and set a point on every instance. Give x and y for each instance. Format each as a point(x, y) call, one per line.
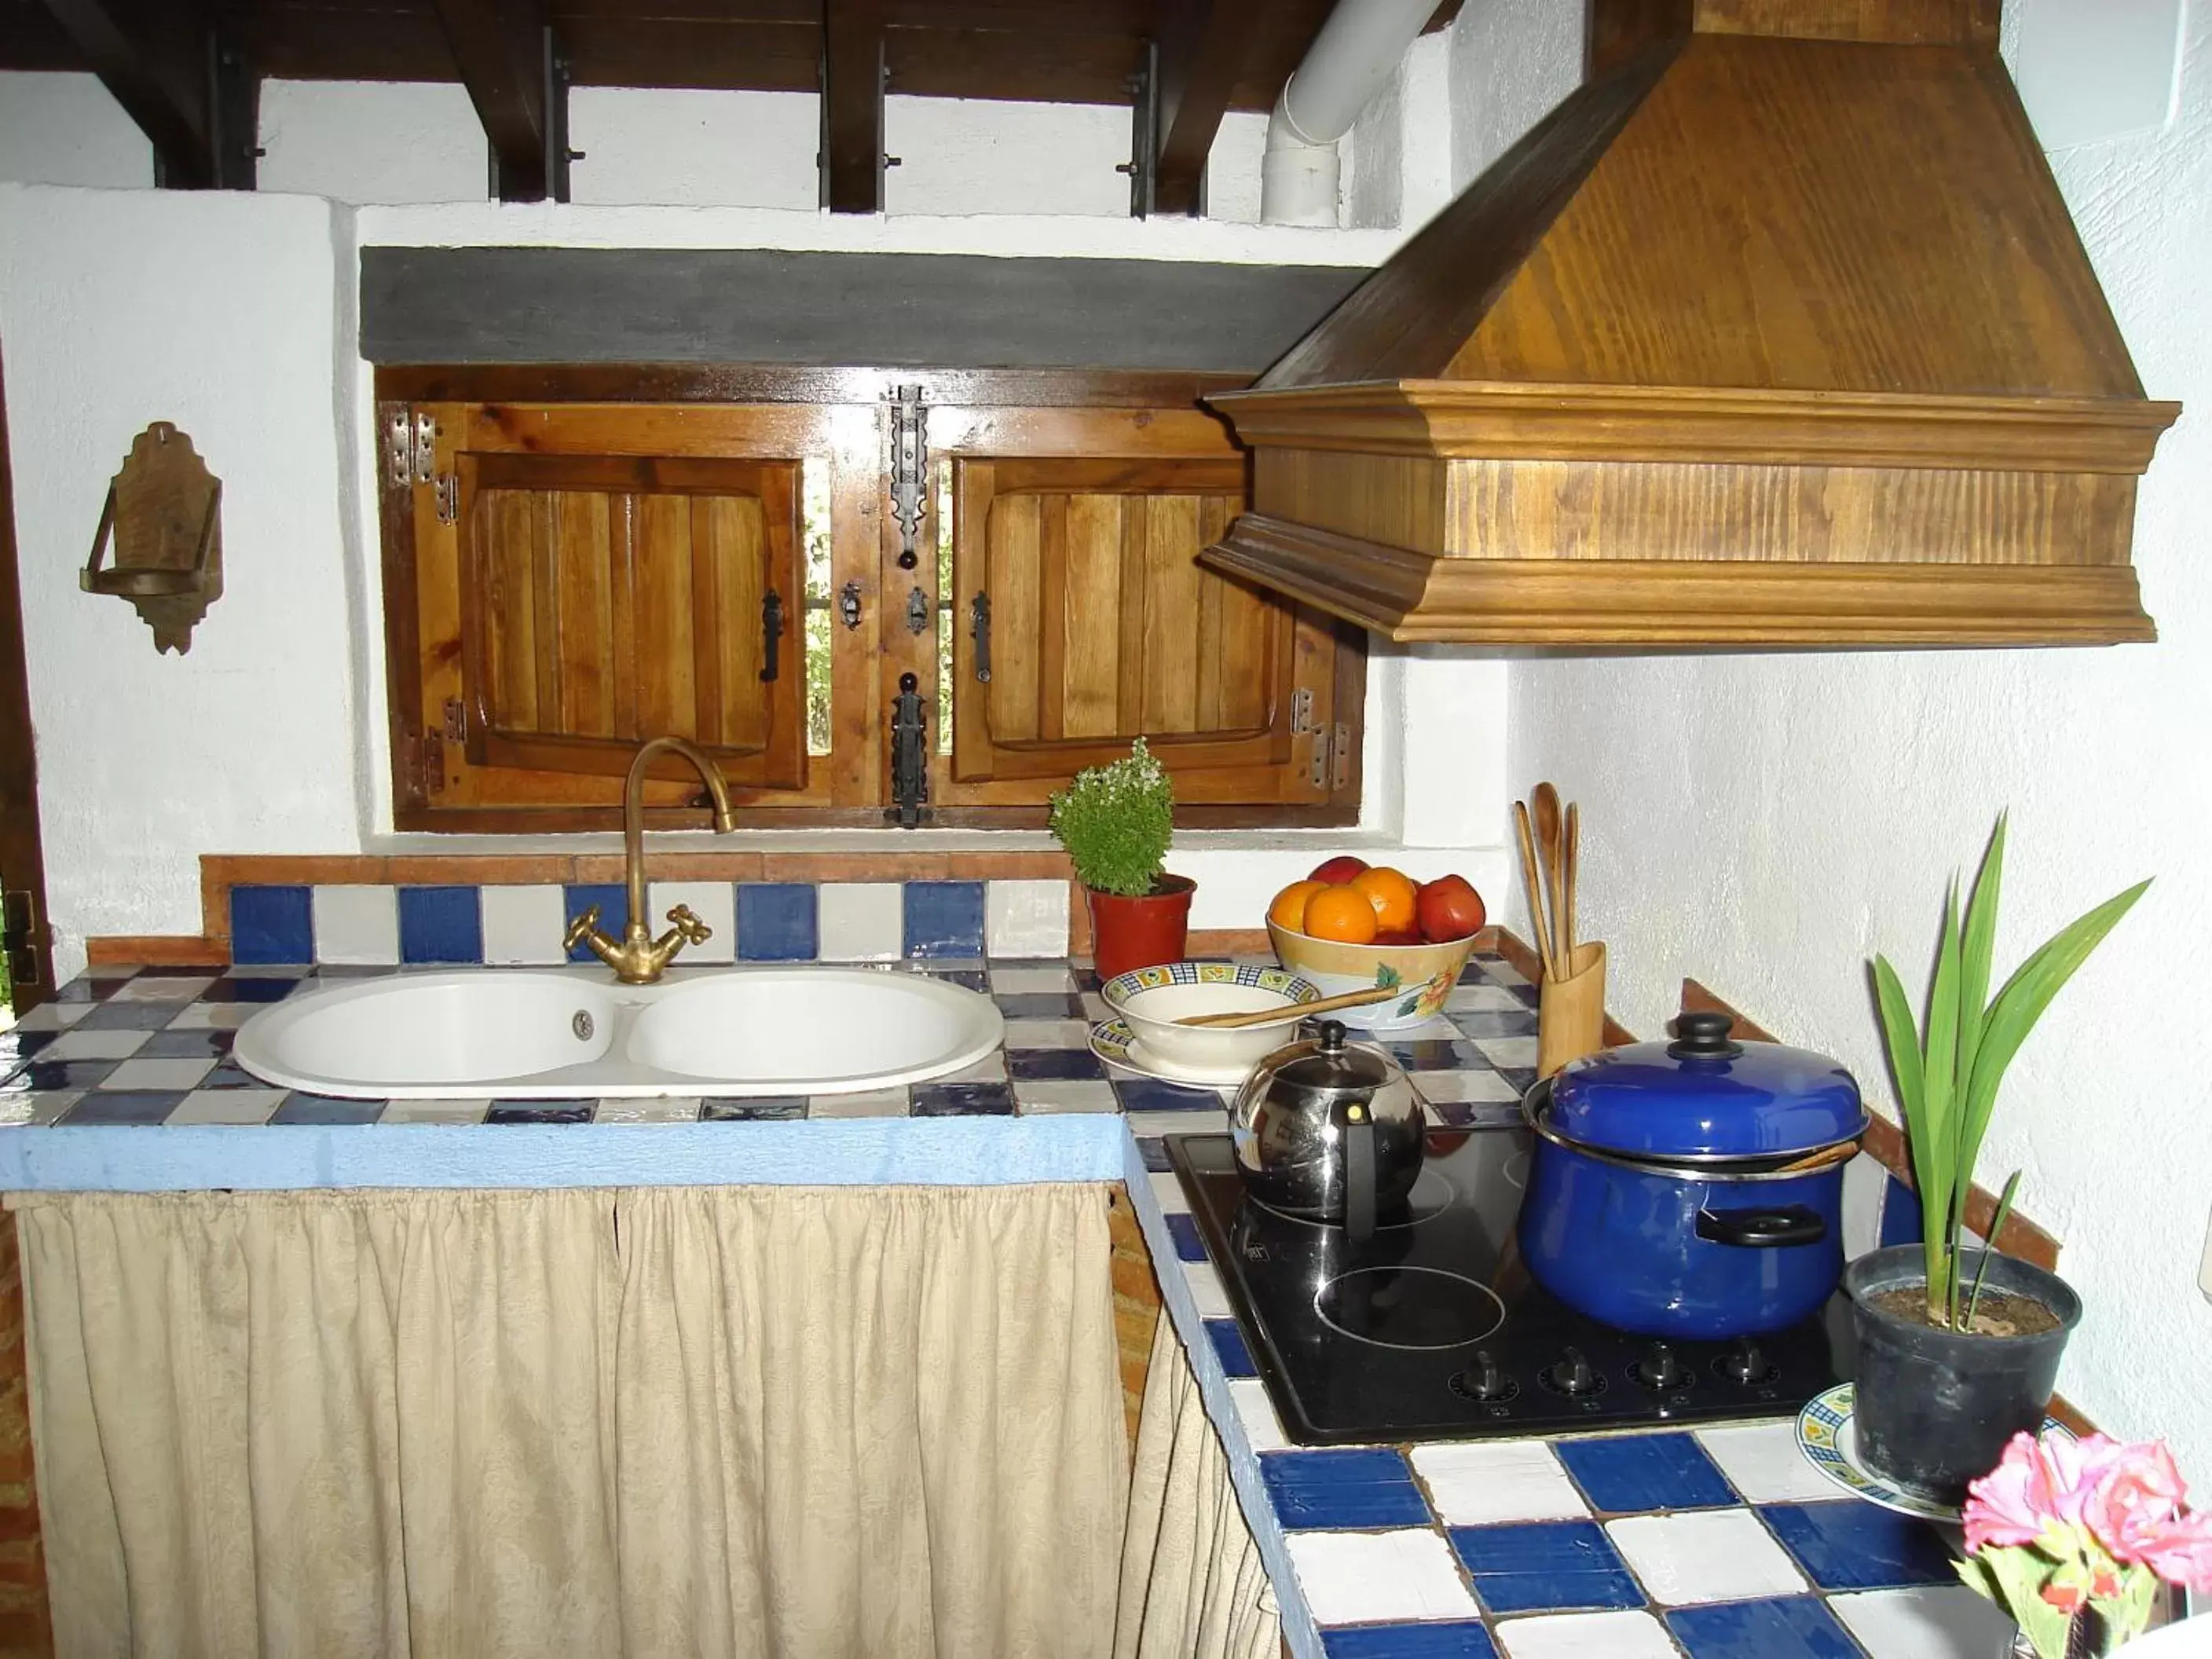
point(1150, 1001)
point(1426, 974)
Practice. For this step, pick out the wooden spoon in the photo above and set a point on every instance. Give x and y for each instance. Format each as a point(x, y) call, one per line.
point(1550, 850)
point(1574, 857)
point(1535, 891)
point(1819, 1160)
point(1295, 1010)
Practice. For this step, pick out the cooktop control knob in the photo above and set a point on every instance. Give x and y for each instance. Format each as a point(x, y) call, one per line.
point(1572, 1376)
point(1485, 1380)
point(1744, 1363)
point(1662, 1368)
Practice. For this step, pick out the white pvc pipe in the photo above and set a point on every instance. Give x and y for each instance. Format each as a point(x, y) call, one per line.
point(1350, 61)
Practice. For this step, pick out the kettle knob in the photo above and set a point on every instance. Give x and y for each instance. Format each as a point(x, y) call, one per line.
point(1331, 1033)
point(1703, 1037)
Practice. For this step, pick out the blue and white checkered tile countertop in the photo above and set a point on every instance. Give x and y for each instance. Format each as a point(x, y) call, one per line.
point(123, 1046)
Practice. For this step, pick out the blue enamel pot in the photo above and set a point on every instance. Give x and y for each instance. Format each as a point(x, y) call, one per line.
point(1661, 1202)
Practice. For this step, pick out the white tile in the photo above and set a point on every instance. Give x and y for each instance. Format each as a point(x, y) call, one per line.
point(1025, 918)
point(1030, 981)
point(860, 921)
point(1438, 1029)
point(1712, 1555)
point(1257, 1414)
point(872, 1103)
point(648, 1108)
point(992, 1068)
point(1477, 1087)
point(1095, 1008)
point(40, 1106)
point(1475, 1483)
point(523, 926)
point(214, 1015)
point(1762, 1462)
point(356, 924)
point(1168, 1193)
point(1865, 1179)
point(450, 1111)
point(1929, 1621)
point(1504, 973)
point(227, 1106)
point(162, 988)
point(1359, 1577)
point(1065, 1095)
point(1519, 1053)
point(1622, 1635)
point(159, 1073)
point(94, 1045)
point(1144, 1125)
point(1483, 999)
point(1206, 1290)
point(1047, 1034)
point(714, 902)
point(54, 1016)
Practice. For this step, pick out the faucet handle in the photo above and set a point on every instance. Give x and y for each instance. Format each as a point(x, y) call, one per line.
point(689, 927)
point(582, 929)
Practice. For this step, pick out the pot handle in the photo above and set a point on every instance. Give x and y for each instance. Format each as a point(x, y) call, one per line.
point(1358, 1174)
point(1793, 1224)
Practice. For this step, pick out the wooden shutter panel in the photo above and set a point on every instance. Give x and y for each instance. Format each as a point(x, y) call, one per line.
point(609, 599)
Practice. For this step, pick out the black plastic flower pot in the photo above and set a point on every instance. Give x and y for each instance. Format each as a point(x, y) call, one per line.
point(1934, 1408)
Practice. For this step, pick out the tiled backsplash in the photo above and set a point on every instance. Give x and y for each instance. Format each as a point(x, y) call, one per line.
point(751, 921)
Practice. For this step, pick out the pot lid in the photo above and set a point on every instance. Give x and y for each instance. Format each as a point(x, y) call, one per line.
point(1325, 1063)
point(1705, 1096)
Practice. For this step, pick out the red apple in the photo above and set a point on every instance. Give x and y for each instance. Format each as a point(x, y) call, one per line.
point(1339, 870)
point(1398, 936)
point(1449, 908)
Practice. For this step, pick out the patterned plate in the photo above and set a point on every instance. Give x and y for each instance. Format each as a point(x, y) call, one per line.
point(1119, 988)
point(1829, 1438)
point(1112, 1040)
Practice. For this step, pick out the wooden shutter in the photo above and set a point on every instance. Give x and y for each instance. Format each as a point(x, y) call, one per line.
point(1104, 627)
point(608, 600)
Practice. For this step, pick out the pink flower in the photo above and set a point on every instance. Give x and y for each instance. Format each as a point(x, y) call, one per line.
point(2037, 1485)
point(2179, 1550)
point(2137, 1492)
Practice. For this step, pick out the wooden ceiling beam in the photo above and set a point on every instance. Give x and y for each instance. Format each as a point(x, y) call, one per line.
point(1202, 57)
point(158, 68)
point(851, 157)
point(498, 46)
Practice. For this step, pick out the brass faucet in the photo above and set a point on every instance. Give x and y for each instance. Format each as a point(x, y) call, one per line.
point(639, 958)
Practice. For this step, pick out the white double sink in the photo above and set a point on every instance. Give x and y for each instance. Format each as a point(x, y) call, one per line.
point(529, 1034)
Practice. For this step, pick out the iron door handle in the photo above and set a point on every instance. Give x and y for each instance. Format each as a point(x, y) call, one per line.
point(1763, 1229)
point(979, 628)
point(771, 635)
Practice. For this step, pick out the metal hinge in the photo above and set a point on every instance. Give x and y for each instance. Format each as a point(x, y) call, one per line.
point(431, 765)
point(1331, 766)
point(410, 445)
point(1302, 711)
point(457, 720)
point(447, 487)
point(910, 420)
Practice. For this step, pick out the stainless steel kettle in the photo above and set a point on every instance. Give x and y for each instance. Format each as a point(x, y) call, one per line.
point(1328, 1130)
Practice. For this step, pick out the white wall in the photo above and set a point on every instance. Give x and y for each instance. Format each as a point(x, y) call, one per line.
point(217, 312)
point(1767, 823)
point(65, 130)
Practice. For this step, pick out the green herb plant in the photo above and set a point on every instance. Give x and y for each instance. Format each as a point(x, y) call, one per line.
point(1948, 1072)
point(1115, 820)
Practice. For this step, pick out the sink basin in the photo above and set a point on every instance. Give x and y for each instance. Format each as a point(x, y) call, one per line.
point(523, 1033)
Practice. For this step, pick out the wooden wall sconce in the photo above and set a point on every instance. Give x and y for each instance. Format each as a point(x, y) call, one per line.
point(164, 515)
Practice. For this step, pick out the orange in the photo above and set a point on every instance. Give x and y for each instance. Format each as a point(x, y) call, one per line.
point(1342, 913)
point(1289, 909)
point(1392, 892)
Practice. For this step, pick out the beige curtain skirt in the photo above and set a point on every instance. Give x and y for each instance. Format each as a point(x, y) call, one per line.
point(778, 1421)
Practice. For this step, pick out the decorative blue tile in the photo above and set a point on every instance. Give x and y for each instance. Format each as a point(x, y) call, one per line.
point(1347, 1488)
point(45, 1075)
point(233, 987)
point(1549, 1564)
point(271, 925)
point(1900, 1214)
point(1152, 1152)
point(1041, 1005)
point(1437, 1055)
point(1851, 1546)
point(95, 985)
point(440, 924)
point(776, 921)
point(1642, 1472)
point(120, 1015)
point(187, 1045)
point(945, 918)
point(1488, 1022)
point(1792, 1627)
point(962, 1100)
point(613, 900)
point(1183, 1228)
point(326, 1109)
point(1145, 1094)
point(540, 1111)
point(1459, 1639)
point(752, 1109)
point(134, 1106)
point(1229, 1344)
point(1063, 1064)
point(231, 1075)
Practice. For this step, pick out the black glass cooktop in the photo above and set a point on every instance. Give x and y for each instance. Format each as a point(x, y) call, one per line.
point(1434, 1330)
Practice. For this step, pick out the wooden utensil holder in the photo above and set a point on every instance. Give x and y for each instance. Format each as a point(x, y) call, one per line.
point(1570, 1011)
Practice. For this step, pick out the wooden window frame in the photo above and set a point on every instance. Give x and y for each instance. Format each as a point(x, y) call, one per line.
point(837, 413)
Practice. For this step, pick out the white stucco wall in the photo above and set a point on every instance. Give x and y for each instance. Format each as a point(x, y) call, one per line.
point(1767, 823)
point(218, 313)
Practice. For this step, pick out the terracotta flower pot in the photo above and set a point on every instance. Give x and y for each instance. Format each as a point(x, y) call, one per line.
point(1140, 933)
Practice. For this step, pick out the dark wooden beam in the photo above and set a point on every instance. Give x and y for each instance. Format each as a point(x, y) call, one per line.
point(853, 106)
point(1200, 62)
point(498, 46)
point(157, 65)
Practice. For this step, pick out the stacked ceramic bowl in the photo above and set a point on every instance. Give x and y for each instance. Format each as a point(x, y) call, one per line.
point(1145, 1034)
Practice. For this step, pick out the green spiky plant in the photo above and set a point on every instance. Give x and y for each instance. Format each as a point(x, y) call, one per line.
point(1116, 821)
point(1948, 1072)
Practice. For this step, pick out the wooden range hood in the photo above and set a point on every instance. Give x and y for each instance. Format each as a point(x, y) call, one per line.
point(1776, 333)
